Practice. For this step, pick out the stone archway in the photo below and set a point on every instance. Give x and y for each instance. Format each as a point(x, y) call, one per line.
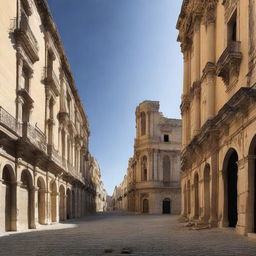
point(62, 213)
point(41, 200)
point(167, 206)
point(251, 214)
point(9, 199)
point(145, 206)
point(53, 188)
point(73, 204)
point(26, 197)
point(230, 188)
point(196, 196)
point(207, 192)
point(188, 198)
point(68, 204)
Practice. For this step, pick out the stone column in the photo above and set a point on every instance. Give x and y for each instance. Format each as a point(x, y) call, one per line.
point(185, 72)
point(211, 42)
point(184, 122)
point(34, 210)
point(148, 123)
point(242, 196)
point(196, 58)
point(197, 111)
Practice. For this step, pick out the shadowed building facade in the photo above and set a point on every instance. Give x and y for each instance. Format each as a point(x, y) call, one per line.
point(43, 127)
point(218, 112)
point(152, 182)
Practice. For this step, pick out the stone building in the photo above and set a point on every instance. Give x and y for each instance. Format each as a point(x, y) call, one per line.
point(43, 127)
point(101, 194)
point(218, 112)
point(152, 182)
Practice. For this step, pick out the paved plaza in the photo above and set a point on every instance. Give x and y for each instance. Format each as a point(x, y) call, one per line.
point(110, 233)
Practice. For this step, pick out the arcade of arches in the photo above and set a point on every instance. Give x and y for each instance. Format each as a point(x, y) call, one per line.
point(224, 196)
point(29, 200)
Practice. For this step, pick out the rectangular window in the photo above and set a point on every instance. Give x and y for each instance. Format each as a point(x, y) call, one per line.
point(166, 138)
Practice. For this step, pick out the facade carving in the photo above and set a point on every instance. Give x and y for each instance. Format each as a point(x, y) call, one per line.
point(151, 184)
point(45, 174)
point(218, 145)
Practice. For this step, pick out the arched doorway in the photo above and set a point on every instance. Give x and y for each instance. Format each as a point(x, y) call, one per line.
point(207, 192)
point(230, 185)
point(41, 200)
point(73, 204)
point(184, 194)
point(252, 187)
point(9, 190)
point(189, 198)
point(196, 194)
point(145, 206)
point(53, 188)
point(26, 208)
point(68, 203)
point(62, 203)
point(166, 206)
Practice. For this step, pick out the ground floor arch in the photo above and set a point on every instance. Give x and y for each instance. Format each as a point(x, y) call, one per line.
point(230, 187)
point(68, 204)
point(145, 206)
point(166, 206)
point(196, 196)
point(9, 198)
point(26, 197)
point(206, 197)
point(53, 188)
point(41, 200)
point(62, 213)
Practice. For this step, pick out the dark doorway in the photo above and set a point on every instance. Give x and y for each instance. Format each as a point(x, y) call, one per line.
point(167, 206)
point(145, 206)
point(232, 189)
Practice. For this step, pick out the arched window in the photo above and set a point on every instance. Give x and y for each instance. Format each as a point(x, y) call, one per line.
point(144, 170)
point(143, 123)
point(166, 170)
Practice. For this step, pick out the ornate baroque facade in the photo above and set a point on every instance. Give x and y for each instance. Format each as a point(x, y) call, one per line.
point(152, 182)
point(101, 193)
point(218, 112)
point(44, 166)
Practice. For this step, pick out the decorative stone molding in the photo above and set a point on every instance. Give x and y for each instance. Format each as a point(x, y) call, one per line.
point(27, 5)
point(209, 70)
point(25, 38)
point(228, 65)
point(191, 11)
point(211, 131)
point(230, 6)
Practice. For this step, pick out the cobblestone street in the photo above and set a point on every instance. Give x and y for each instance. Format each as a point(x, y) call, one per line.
point(143, 235)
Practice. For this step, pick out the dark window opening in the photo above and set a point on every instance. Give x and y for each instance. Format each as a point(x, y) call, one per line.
point(166, 138)
point(232, 28)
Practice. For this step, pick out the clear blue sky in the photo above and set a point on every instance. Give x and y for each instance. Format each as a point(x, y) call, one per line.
point(121, 52)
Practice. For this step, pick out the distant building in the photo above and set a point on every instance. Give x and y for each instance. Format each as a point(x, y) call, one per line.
point(152, 182)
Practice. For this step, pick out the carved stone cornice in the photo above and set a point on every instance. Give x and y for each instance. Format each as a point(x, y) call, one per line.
point(212, 129)
point(185, 104)
point(209, 70)
point(191, 12)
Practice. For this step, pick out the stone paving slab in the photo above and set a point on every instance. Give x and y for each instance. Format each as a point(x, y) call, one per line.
point(142, 234)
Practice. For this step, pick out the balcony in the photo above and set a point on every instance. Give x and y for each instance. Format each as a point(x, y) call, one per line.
point(54, 154)
point(53, 81)
point(228, 65)
point(8, 121)
point(25, 37)
point(34, 135)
